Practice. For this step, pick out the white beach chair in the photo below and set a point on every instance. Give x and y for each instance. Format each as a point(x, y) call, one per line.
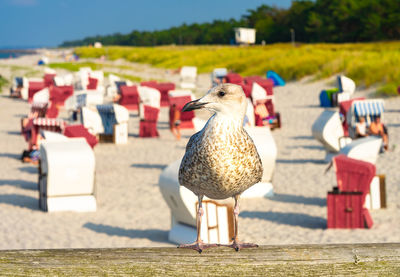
point(188, 77)
point(25, 86)
point(53, 136)
point(66, 180)
point(376, 198)
point(81, 78)
point(365, 149)
point(84, 98)
point(346, 84)
point(111, 88)
point(48, 70)
point(268, 151)
point(99, 75)
point(218, 73)
point(114, 124)
point(217, 222)
point(92, 121)
point(65, 80)
point(148, 96)
point(328, 130)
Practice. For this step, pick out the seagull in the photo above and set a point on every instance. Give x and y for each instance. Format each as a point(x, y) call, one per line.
point(221, 160)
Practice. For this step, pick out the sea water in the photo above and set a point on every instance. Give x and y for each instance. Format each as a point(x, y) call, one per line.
point(7, 54)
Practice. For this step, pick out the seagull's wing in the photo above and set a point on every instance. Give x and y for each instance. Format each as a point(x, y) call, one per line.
point(192, 140)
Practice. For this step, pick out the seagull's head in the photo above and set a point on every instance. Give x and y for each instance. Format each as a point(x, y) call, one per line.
point(225, 99)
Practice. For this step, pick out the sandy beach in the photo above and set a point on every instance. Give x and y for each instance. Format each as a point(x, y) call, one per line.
point(131, 211)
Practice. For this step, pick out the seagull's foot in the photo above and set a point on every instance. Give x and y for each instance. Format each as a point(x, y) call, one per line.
point(199, 246)
point(240, 245)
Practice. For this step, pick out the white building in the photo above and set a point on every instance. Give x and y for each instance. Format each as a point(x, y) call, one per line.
point(245, 35)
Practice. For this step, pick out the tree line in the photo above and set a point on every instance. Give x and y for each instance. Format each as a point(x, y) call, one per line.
point(310, 21)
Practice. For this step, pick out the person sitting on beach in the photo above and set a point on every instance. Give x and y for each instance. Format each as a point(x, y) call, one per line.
point(361, 128)
point(175, 123)
point(378, 129)
point(261, 111)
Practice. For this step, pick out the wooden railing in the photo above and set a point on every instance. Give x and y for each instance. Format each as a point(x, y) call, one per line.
point(293, 260)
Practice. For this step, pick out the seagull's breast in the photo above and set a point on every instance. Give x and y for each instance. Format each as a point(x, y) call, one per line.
point(220, 161)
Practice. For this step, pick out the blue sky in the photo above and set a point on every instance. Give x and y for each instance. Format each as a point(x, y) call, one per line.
point(27, 23)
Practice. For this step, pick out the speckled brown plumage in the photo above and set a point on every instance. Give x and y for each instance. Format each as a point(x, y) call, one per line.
point(221, 160)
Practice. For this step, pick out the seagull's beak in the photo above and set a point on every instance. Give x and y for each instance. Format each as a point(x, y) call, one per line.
point(193, 105)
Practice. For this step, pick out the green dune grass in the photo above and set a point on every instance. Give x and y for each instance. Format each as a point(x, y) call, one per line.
point(366, 63)
point(3, 83)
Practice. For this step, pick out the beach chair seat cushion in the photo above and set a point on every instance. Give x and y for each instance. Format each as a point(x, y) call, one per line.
point(92, 83)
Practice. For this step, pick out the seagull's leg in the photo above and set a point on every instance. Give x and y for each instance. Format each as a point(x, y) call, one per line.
point(198, 245)
point(236, 244)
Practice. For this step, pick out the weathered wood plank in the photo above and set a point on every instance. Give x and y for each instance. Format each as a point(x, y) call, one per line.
point(293, 260)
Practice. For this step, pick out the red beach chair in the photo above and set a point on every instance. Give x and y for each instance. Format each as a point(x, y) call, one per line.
point(33, 88)
point(249, 80)
point(148, 125)
point(234, 78)
point(74, 131)
point(346, 205)
point(265, 95)
point(164, 88)
point(129, 97)
point(48, 124)
point(148, 83)
point(58, 95)
point(37, 110)
point(48, 79)
point(186, 117)
point(344, 107)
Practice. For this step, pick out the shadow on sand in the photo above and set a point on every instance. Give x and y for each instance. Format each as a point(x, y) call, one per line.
point(18, 200)
point(20, 184)
point(298, 199)
point(149, 166)
point(392, 111)
point(11, 155)
point(292, 219)
point(311, 147)
point(301, 161)
point(14, 133)
point(302, 137)
point(151, 234)
point(307, 106)
point(29, 169)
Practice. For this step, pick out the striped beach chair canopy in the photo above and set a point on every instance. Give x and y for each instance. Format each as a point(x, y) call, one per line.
point(368, 108)
point(373, 107)
point(49, 122)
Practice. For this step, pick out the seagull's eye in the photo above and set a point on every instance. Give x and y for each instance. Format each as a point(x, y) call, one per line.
point(221, 93)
